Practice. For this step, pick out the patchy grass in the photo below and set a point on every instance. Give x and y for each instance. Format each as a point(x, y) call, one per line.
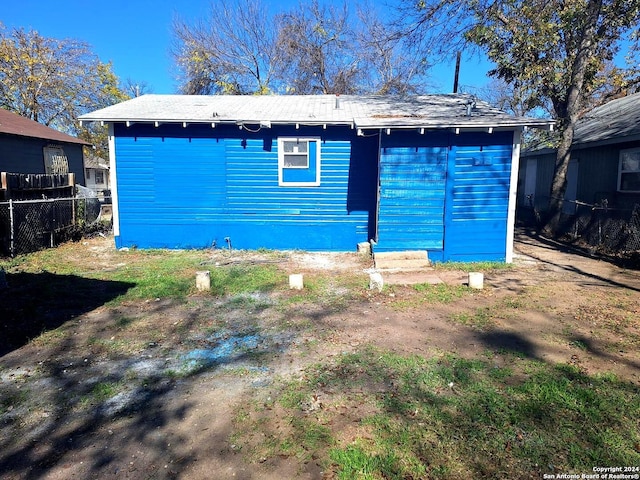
point(151, 273)
point(12, 397)
point(425, 294)
point(449, 417)
point(331, 293)
point(99, 393)
point(474, 266)
point(367, 414)
point(481, 318)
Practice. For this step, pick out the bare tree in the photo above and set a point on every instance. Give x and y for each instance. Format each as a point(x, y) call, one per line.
point(318, 44)
point(390, 67)
point(314, 48)
point(135, 89)
point(232, 51)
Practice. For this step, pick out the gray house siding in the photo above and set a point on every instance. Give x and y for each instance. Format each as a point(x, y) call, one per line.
point(597, 178)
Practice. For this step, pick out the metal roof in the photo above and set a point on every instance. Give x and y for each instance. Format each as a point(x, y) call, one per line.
point(363, 112)
point(13, 124)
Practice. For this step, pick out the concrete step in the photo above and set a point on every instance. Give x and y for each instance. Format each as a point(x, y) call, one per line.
point(407, 260)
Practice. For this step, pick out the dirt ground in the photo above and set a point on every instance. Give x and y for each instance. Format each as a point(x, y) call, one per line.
point(182, 370)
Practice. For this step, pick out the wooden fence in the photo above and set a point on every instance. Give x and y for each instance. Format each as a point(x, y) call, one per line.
point(32, 186)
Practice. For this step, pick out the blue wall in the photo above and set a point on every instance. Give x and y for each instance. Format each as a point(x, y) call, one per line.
point(193, 187)
point(478, 197)
point(445, 193)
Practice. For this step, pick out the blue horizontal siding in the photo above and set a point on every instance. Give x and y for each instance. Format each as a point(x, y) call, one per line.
point(478, 197)
point(193, 187)
point(445, 193)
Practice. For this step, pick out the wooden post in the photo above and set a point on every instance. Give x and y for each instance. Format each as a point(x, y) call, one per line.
point(11, 245)
point(72, 184)
point(4, 185)
point(456, 75)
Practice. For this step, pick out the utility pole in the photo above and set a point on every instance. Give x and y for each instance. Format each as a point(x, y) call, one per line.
point(457, 74)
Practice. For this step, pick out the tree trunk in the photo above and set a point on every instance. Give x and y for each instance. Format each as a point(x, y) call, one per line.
point(559, 183)
point(569, 114)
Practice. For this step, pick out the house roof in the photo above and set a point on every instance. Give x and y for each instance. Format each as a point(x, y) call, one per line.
point(362, 112)
point(91, 161)
point(617, 121)
point(13, 124)
point(614, 122)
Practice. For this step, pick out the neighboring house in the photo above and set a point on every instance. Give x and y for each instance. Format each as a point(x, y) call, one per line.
point(605, 161)
point(96, 171)
point(31, 147)
point(319, 172)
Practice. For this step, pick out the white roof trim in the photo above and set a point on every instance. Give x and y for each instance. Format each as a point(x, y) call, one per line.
point(361, 112)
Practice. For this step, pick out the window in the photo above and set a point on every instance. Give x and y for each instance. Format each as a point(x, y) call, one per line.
point(298, 162)
point(296, 154)
point(99, 177)
point(629, 172)
point(55, 160)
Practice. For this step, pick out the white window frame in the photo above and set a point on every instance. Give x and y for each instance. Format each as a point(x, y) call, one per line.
point(282, 166)
point(621, 171)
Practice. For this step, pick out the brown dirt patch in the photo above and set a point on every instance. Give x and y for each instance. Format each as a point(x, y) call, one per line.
point(119, 392)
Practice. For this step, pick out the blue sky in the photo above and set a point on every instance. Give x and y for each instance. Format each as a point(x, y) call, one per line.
point(135, 35)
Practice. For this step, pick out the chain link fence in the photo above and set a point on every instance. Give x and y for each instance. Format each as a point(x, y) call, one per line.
point(609, 230)
point(31, 225)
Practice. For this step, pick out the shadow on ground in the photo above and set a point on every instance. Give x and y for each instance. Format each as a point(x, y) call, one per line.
point(35, 303)
point(538, 241)
point(131, 414)
point(627, 260)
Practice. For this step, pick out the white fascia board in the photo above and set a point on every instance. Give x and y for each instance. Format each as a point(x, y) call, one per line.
point(513, 193)
point(113, 179)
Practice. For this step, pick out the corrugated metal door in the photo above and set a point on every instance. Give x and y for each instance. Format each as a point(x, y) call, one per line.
point(412, 198)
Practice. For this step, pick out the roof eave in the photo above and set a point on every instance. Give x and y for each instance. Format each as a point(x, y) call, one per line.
point(363, 125)
point(69, 140)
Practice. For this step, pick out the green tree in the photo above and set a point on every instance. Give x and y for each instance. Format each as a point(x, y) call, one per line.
point(554, 52)
point(53, 81)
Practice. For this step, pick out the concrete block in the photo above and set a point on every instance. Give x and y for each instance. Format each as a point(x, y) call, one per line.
point(376, 282)
point(364, 248)
point(296, 281)
point(203, 281)
point(476, 280)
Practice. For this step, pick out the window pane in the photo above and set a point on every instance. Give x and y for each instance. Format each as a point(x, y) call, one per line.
point(300, 161)
point(631, 161)
point(630, 182)
point(295, 147)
